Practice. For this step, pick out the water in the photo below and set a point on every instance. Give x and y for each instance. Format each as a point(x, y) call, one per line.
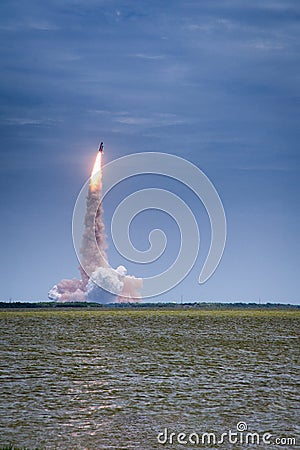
point(80, 379)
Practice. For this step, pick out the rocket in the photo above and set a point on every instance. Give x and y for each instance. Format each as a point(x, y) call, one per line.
point(101, 147)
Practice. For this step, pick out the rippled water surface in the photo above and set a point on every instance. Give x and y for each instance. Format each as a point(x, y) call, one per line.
point(80, 379)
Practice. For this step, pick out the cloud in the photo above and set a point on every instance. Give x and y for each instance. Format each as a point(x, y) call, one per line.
point(209, 26)
point(134, 120)
point(150, 57)
point(266, 45)
point(28, 25)
point(155, 120)
point(19, 121)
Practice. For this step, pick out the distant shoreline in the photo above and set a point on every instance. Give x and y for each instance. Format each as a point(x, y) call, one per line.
point(195, 305)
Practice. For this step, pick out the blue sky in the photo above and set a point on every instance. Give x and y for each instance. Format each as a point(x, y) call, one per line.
point(216, 82)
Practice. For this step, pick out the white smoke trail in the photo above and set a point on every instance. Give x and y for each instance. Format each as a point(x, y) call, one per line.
point(94, 243)
point(103, 279)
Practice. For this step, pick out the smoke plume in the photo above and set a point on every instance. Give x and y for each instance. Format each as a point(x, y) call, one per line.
point(94, 259)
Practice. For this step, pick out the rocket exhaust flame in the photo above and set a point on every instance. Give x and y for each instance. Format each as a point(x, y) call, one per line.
point(94, 258)
point(96, 175)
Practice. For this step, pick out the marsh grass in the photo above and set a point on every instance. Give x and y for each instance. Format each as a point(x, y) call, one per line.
point(13, 447)
point(148, 312)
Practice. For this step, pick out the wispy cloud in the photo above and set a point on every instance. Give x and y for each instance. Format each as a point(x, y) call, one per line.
point(268, 168)
point(27, 25)
point(22, 121)
point(210, 25)
point(155, 120)
point(266, 45)
point(134, 120)
point(145, 56)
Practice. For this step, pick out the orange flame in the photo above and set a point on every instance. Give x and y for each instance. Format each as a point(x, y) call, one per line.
point(96, 175)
